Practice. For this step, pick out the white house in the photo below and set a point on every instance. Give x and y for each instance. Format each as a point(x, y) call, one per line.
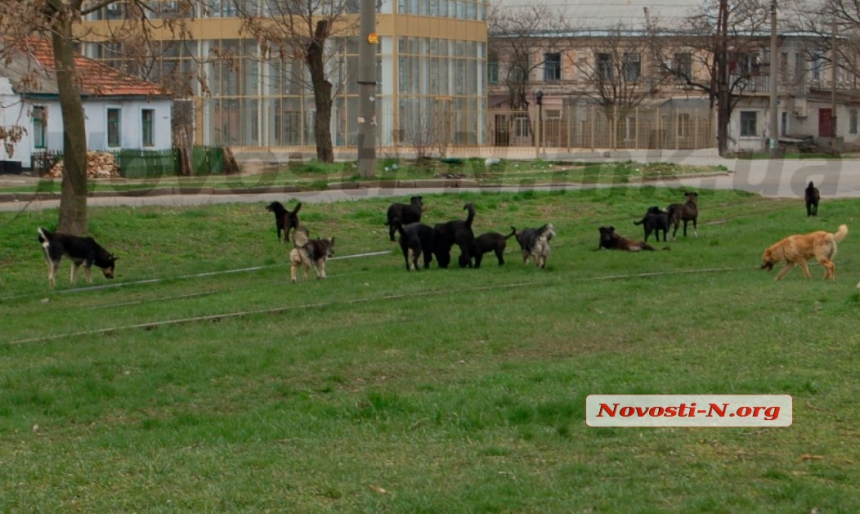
point(121, 112)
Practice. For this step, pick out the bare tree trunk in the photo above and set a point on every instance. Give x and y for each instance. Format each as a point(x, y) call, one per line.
point(73, 202)
point(322, 93)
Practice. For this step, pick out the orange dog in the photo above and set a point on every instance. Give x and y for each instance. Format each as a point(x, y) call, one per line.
point(799, 248)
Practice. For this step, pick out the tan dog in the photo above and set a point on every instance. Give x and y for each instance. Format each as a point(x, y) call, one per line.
point(799, 248)
point(309, 253)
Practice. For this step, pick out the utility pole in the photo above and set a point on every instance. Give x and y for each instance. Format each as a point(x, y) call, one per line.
point(774, 61)
point(367, 90)
point(722, 80)
point(834, 58)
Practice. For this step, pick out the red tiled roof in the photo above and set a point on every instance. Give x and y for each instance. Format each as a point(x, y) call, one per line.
point(96, 79)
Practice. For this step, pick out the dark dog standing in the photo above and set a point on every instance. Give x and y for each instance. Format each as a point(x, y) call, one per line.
point(405, 213)
point(655, 220)
point(491, 242)
point(612, 240)
point(285, 220)
point(685, 212)
point(416, 239)
point(455, 232)
point(81, 250)
point(812, 196)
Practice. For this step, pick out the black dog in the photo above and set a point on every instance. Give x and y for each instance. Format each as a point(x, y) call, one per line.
point(416, 239)
point(455, 232)
point(685, 212)
point(81, 250)
point(534, 244)
point(612, 240)
point(655, 220)
point(812, 196)
point(491, 241)
point(406, 213)
point(284, 219)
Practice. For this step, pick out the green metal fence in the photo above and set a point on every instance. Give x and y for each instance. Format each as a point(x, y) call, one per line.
point(146, 163)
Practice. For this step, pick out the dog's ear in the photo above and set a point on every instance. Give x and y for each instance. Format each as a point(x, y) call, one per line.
point(612, 229)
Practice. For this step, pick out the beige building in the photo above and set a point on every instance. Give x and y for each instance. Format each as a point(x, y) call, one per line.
point(431, 73)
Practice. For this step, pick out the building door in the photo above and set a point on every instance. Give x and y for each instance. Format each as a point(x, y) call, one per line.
point(825, 123)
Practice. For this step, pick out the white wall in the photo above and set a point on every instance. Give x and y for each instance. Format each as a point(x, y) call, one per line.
point(15, 111)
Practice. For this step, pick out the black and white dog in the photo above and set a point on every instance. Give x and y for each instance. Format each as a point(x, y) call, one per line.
point(81, 250)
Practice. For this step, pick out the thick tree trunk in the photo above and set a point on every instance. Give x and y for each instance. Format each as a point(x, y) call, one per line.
point(322, 93)
point(73, 202)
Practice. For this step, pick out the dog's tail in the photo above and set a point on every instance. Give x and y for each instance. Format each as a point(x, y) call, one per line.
point(639, 222)
point(841, 234)
point(512, 234)
point(398, 226)
point(300, 238)
point(45, 236)
point(298, 207)
point(471, 208)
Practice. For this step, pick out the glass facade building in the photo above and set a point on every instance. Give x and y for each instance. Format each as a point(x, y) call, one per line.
point(431, 74)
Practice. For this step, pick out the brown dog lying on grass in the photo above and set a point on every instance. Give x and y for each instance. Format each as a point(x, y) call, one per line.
point(799, 248)
point(612, 240)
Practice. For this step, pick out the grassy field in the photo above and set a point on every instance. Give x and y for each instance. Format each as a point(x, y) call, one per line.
point(315, 176)
point(439, 391)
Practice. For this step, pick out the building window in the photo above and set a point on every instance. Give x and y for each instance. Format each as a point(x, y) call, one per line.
point(552, 67)
point(147, 117)
point(604, 66)
point(521, 126)
point(40, 121)
point(520, 70)
point(783, 67)
point(798, 67)
point(113, 139)
point(632, 67)
point(683, 125)
point(749, 122)
point(493, 68)
point(784, 124)
point(817, 66)
point(852, 121)
point(683, 65)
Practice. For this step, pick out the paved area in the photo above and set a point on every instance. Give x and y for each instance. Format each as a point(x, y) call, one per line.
point(778, 178)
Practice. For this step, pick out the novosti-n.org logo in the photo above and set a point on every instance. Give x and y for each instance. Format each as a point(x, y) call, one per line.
point(685, 410)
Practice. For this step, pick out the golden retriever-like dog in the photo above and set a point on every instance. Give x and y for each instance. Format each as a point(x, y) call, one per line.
point(799, 248)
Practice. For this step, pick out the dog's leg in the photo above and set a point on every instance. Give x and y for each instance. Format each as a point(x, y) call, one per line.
point(804, 267)
point(695, 228)
point(293, 272)
point(53, 266)
point(788, 267)
point(87, 273)
point(74, 271)
point(829, 268)
point(319, 267)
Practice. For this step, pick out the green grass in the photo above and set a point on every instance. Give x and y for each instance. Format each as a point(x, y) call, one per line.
point(438, 391)
point(313, 175)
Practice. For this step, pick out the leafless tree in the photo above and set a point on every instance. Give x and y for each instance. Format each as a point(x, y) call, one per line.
point(518, 40)
point(717, 51)
point(618, 70)
point(303, 30)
